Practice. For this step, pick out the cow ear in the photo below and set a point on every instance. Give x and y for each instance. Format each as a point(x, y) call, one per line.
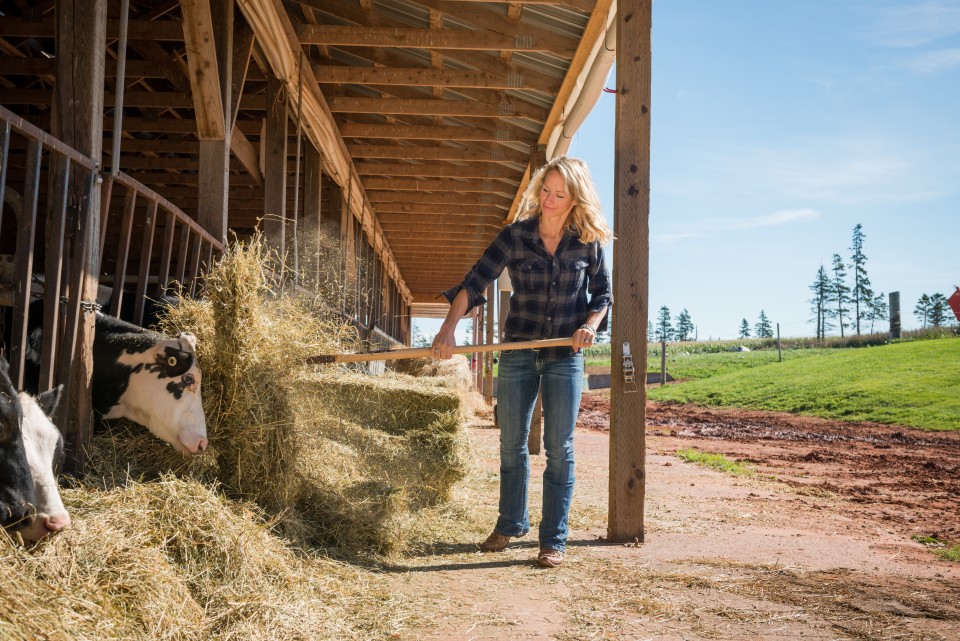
point(188, 342)
point(49, 400)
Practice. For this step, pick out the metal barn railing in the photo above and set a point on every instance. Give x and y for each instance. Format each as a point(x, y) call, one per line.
point(47, 194)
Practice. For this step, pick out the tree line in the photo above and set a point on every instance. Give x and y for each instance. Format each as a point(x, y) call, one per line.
point(683, 329)
point(845, 300)
point(837, 302)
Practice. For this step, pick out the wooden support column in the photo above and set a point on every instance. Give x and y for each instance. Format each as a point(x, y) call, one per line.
point(630, 271)
point(488, 357)
point(81, 44)
point(538, 158)
point(275, 166)
point(310, 234)
point(349, 253)
point(214, 185)
point(475, 356)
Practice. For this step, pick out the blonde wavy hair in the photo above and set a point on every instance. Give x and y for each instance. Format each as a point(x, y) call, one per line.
point(586, 218)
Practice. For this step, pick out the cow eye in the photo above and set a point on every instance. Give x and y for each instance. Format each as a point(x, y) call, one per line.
point(172, 361)
point(188, 379)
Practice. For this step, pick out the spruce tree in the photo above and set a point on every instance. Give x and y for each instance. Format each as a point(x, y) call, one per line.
point(664, 328)
point(744, 329)
point(862, 294)
point(938, 310)
point(922, 310)
point(877, 310)
point(839, 293)
point(820, 301)
point(684, 328)
point(763, 329)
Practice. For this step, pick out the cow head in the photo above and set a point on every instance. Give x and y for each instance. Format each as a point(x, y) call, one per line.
point(16, 484)
point(163, 393)
point(44, 447)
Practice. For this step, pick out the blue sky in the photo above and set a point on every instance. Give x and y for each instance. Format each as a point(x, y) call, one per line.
point(777, 126)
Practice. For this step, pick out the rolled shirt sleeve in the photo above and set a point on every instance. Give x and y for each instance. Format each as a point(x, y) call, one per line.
point(600, 289)
point(484, 271)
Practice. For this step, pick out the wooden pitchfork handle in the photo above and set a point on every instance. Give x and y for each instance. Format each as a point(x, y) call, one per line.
point(427, 352)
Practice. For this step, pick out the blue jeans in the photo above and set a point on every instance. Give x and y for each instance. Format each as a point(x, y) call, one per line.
point(522, 373)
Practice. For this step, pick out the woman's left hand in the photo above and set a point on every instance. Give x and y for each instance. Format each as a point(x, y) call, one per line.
point(583, 337)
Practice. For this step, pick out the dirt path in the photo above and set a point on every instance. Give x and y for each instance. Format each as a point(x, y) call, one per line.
point(816, 545)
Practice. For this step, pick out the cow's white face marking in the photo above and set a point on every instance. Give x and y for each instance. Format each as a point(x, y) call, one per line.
point(164, 393)
point(44, 449)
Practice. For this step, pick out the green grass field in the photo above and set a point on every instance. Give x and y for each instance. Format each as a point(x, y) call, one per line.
point(915, 383)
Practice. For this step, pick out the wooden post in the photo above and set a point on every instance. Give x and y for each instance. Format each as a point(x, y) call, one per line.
point(81, 44)
point(663, 363)
point(214, 181)
point(538, 158)
point(275, 166)
point(630, 271)
point(312, 205)
point(779, 353)
point(488, 357)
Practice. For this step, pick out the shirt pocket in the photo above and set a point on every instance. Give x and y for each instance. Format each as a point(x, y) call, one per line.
point(574, 273)
point(531, 274)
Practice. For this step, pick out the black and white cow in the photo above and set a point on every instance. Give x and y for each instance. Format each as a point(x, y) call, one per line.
point(17, 494)
point(44, 448)
point(151, 379)
point(138, 374)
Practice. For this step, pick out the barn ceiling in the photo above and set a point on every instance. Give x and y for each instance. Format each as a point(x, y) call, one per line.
point(436, 107)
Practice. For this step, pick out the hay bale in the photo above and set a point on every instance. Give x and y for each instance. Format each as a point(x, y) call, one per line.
point(341, 459)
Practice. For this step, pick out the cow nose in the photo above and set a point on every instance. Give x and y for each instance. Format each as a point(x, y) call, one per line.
point(55, 522)
point(193, 445)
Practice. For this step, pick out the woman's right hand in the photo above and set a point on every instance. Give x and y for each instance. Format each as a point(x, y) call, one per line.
point(444, 342)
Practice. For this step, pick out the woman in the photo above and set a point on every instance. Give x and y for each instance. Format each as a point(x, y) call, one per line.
point(554, 254)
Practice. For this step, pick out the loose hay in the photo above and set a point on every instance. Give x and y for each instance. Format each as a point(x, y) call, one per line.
point(168, 547)
point(172, 559)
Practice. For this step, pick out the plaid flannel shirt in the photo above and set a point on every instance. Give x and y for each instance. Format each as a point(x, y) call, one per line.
point(550, 293)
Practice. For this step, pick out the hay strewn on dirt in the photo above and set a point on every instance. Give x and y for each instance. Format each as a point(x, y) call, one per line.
point(335, 462)
point(173, 559)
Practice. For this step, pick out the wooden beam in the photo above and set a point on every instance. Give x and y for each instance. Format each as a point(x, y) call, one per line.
point(460, 199)
point(429, 132)
point(411, 152)
point(438, 184)
point(580, 5)
point(204, 71)
point(435, 107)
point(424, 77)
point(349, 11)
point(81, 45)
point(414, 213)
point(242, 50)
point(154, 30)
point(438, 170)
point(630, 271)
point(176, 125)
point(275, 166)
point(248, 154)
point(214, 187)
point(486, 18)
point(413, 38)
point(456, 228)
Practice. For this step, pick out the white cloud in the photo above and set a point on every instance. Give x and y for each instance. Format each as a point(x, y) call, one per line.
point(782, 217)
point(674, 237)
point(849, 171)
point(913, 24)
point(710, 226)
point(933, 62)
